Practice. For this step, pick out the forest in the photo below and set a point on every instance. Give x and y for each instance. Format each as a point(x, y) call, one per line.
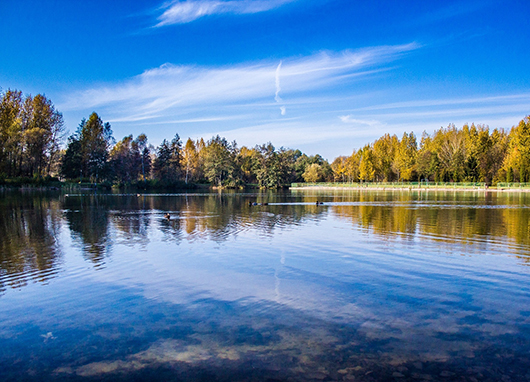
point(34, 146)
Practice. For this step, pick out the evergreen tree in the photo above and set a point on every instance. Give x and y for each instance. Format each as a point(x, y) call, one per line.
point(71, 166)
point(167, 164)
point(95, 138)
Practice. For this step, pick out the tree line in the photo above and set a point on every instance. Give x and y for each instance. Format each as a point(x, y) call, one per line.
point(470, 154)
point(32, 131)
point(92, 154)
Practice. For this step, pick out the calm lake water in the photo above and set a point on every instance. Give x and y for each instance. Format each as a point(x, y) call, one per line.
point(368, 287)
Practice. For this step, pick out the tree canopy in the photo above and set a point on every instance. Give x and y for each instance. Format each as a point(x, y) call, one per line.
point(32, 132)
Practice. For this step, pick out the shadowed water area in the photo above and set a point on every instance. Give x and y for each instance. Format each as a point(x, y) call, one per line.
point(369, 286)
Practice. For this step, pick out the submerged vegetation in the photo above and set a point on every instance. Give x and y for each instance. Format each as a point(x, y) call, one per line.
point(32, 131)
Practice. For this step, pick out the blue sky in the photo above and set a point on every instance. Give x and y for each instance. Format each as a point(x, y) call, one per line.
point(325, 76)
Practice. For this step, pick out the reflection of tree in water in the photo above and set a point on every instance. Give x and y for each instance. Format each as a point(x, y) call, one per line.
point(518, 227)
point(215, 216)
point(28, 246)
point(454, 217)
point(219, 216)
point(88, 220)
point(131, 219)
point(384, 214)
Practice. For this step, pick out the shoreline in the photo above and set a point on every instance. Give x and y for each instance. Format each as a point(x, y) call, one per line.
point(404, 188)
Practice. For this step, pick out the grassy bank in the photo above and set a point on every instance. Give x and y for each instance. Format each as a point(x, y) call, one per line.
point(463, 186)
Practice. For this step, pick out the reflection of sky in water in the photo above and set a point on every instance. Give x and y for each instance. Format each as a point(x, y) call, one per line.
point(370, 290)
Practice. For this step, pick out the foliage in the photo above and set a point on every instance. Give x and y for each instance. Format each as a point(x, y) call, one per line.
point(219, 162)
point(130, 159)
point(167, 164)
point(31, 132)
point(96, 139)
point(469, 154)
point(190, 161)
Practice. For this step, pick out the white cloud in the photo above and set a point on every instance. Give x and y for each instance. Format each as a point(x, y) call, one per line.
point(169, 90)
point(337, 101)
point(277, 97)
point(351, 120)
point(278, 88)
point(181, 12)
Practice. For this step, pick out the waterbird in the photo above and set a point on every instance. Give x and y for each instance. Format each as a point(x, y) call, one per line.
point(319, 203)
point(167, 216)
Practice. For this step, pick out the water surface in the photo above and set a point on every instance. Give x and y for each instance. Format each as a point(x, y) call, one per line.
point(369, 286)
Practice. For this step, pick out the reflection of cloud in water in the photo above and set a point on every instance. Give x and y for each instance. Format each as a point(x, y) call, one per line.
point(296, 289)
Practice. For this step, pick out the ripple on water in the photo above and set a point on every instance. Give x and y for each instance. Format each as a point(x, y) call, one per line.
point(351, 290)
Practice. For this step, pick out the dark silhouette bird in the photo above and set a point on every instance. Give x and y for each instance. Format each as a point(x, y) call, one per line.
point(319, 203)
point(167, 216)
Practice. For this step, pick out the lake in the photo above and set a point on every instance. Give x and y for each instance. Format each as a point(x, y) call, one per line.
point(369, 286)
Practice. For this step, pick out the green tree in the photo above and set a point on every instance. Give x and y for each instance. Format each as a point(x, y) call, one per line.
point(248, 160)
point(219, 162)
point(124, 161)
point(144, 151)
point(303, 161)
point(270, 167)
point(31, 131)
point(162, 165)
point(96, 139)
point(43, 128)
point(11, 142)
point(167, 166)
point(72, 160)
point(313, 173)
point(176, 157)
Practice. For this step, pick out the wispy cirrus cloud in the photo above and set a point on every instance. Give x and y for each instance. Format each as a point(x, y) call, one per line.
point(336, 101)
point(198, 100)
point(350, 119)
point(182, 12)
point(171, 90)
